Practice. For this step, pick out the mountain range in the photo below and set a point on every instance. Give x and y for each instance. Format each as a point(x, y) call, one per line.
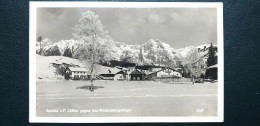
point(152, 52)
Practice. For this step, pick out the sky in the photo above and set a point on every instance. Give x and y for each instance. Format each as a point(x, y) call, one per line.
point(178, 27)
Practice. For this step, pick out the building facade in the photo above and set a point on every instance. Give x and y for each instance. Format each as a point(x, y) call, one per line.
point(167, 73)
point(137, 75)
point(76, 73)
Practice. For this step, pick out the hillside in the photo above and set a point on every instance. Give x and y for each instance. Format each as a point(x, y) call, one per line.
point(47, 66)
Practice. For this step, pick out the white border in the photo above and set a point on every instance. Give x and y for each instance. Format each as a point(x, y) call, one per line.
point(32, 60)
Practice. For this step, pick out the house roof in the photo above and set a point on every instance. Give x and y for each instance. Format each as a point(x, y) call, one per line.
point(121, 68)
point(147, 67)
point(137, 72)
point(171, 68)
point(149, 73)
point(78, 69)
point(213, 66)
point(120, 72)
point(107, 75)
point(162, 70)
point(105, 70)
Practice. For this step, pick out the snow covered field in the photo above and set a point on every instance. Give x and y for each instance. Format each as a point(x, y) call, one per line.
point(60, 98)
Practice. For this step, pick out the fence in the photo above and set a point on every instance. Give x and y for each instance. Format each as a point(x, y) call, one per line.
point(174, 80)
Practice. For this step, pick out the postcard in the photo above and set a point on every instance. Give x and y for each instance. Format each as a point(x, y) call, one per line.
point(114, 62)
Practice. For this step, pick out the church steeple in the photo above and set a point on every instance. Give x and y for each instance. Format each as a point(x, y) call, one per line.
point(140, 60)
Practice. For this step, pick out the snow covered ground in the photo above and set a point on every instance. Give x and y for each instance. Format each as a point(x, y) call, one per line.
point(45, 70)
point(144, 98)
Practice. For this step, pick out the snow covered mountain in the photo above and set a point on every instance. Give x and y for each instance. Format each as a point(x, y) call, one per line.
point(153, 52)
point(45, 42)
point(61, 48)
point(157, 52)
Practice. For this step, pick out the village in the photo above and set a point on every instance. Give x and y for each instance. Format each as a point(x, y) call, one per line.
point(142, 72)
point(137, 73)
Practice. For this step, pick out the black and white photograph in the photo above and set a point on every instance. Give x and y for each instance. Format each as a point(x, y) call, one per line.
point(126, 62)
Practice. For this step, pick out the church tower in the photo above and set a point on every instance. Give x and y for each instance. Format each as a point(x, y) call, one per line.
point(141, 59)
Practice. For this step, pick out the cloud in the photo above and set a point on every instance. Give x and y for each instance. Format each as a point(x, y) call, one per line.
point(154, 18)
point(179, 26)
point(56, 23)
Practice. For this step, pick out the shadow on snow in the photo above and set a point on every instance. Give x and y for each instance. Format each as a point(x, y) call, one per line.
point(87, 87)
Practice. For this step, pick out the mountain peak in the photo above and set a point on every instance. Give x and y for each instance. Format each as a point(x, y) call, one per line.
point(154, 41)
point(154, 51)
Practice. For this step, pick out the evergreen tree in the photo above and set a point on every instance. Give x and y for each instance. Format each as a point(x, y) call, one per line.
point(212, 58)
point(39, 40)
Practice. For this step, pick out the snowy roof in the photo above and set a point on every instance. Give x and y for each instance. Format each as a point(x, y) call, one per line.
point(137, 72)
point(214, 66)
point(121, 68)
point(105, 70)
point(124, 68)
point(120, 72)
point(118, 67)
point(148, 73)
point(171, 68)
point(80, 69)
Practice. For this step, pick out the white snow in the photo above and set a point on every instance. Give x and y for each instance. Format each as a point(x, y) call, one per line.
point(120, 50)
point(45, 70)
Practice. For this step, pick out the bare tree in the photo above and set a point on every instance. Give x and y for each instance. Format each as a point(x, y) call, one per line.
point(194, 63)
point(93, 51)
